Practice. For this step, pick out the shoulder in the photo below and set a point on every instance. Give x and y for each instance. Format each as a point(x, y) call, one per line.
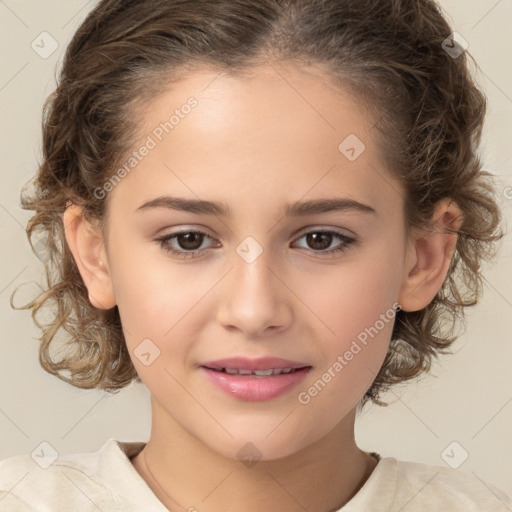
point(82, 481)
point(423, 486)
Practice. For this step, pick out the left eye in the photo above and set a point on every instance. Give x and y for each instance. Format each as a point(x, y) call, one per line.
point(191, 241)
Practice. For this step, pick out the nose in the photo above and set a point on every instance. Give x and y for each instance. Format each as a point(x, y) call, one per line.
point(253, 297)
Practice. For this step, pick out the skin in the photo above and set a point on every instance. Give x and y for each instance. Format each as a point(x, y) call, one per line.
point(257, 143)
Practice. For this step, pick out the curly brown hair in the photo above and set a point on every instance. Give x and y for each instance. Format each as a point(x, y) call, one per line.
point(391, 54)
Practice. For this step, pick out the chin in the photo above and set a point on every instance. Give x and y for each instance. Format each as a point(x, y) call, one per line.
point(251, 449)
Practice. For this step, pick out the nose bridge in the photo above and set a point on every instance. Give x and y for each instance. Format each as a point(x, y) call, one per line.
point(254, 297)
point(251, 274)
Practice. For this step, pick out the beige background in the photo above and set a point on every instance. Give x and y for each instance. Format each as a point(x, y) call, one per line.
point(468, 400)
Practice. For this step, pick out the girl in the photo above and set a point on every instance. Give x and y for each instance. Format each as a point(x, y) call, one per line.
point(262, 210)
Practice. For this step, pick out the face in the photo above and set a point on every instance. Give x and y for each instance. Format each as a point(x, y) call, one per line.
point(312, 286)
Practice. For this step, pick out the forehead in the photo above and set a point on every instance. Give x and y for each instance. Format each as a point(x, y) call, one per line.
point(265, 100)
point(277, 131)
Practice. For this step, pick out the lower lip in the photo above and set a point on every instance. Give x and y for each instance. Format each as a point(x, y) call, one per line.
point(255, 388)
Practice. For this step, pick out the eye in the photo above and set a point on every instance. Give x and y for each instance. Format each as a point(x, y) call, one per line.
point(191, 242)
point(320, 239)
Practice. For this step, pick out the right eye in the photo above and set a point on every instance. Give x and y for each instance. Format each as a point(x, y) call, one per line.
point(184, 238)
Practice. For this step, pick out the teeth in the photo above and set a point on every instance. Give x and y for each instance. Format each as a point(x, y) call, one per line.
point(261, 373)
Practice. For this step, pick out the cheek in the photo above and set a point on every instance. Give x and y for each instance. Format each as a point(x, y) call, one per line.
point(353, 295)
point(151, 289)
point(358, 309)
point(355, 306)
point(159, 301)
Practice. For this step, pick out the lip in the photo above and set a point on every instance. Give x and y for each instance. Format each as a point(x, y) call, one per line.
point(262, 363)
point(254, 388)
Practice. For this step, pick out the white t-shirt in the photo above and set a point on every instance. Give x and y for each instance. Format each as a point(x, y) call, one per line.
point(106, 481)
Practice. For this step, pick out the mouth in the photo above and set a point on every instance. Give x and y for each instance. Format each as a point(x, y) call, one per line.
point(257, 373)
point(255, 379)
point(262, 366)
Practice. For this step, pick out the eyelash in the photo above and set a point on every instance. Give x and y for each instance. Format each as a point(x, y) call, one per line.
point(164, 242)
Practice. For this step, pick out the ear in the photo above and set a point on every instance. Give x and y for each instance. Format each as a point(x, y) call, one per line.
point(85, 242)
point(428, 258)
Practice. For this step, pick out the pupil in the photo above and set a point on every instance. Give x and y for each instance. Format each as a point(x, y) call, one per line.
point(187, 237)
point(313, 237)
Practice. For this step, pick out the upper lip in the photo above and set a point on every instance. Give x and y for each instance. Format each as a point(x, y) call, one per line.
point(263, 363)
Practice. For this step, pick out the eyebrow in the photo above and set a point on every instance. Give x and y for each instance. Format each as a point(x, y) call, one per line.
point(296, 209)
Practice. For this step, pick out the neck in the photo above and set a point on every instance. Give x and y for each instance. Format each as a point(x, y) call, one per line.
point(185, 474)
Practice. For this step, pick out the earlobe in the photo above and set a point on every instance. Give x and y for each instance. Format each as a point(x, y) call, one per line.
point(85, 242)
point(429, 256)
